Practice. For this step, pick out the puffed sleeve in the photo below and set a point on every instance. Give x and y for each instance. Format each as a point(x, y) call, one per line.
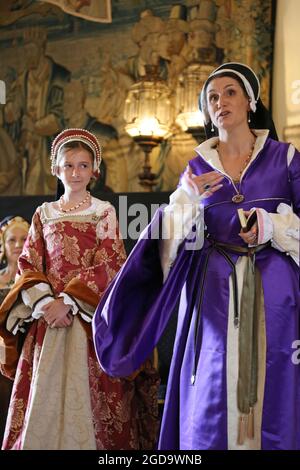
point(32, 260)
point(182, 217)
point(283, 227)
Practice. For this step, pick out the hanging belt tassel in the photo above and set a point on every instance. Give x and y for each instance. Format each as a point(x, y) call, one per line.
point(250, 430)
point(242, 430)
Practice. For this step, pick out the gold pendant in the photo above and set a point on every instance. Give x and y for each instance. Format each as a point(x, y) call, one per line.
point(238, 198)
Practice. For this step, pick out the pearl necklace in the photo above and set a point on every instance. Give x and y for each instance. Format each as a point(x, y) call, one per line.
point(61, 200)
point(239, 197)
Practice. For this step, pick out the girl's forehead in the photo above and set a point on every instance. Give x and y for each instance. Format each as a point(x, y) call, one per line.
point(77, 154)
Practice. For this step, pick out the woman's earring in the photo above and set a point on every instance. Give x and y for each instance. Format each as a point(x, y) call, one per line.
point(212, 127)
point(249, 118)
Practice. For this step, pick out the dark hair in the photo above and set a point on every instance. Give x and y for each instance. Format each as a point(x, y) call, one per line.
point(221, 75)
point(228, 74)
point(261, 119)
point(209, 133)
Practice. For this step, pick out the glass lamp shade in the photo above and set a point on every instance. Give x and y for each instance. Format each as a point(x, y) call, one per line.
point(189, 116)
point(190, 119)
point(147, 109)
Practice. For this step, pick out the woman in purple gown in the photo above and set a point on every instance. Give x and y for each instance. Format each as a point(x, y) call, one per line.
point(234, 380)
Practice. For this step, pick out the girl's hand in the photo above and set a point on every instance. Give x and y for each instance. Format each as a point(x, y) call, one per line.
point(66, 321)
point(204, 185)
point(56, 314)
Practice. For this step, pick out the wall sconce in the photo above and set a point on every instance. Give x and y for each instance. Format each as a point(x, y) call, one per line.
point(147, 114)
point(189, 117)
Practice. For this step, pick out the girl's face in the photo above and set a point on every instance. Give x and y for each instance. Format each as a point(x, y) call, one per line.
point(226, 102)
point(75, 169)
point(14, 240)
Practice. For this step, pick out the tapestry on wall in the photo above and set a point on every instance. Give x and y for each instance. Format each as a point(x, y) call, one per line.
point(92, 10)
point(64, 71)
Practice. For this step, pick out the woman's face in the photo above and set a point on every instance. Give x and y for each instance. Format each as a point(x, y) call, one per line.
point(226, 103)
point(14, 240)
point(75, 169)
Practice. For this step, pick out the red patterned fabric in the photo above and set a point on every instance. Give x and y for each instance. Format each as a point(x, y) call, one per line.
point(125, 414)
point(72, 249)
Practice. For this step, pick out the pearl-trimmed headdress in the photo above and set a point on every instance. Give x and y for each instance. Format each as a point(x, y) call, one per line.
point(76, 135)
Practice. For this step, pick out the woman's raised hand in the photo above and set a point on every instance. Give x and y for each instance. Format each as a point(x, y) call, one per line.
point(205, 184)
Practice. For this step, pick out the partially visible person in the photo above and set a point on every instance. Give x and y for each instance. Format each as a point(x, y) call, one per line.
point(13, 233)
point(61, 398)
point(234, 381)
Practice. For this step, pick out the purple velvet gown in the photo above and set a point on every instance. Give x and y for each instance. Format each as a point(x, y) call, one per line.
point(136, 308)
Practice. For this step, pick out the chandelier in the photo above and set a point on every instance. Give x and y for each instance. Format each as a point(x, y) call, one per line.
point(147, 114)
point(189, 117)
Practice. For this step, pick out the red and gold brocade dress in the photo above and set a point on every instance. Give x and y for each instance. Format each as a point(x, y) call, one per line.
point(61, 398)
point(5, 384)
